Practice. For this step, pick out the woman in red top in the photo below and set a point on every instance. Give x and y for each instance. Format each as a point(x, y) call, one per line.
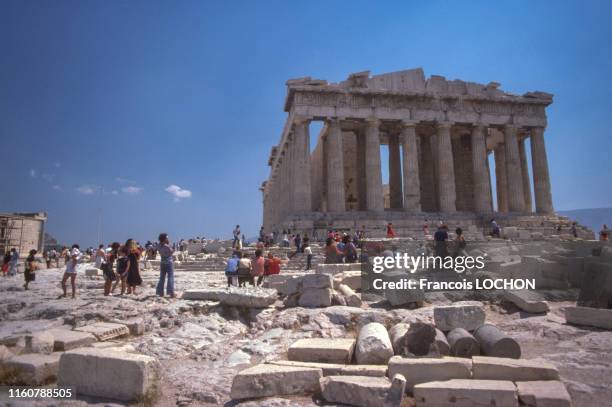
point(390, 231)
point(273, 264)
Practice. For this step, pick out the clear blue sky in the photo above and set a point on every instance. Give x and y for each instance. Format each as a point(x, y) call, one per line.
point(105, 104)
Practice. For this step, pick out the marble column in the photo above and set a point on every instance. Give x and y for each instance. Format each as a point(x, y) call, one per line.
point(374, 187)
point(516, 199)
point(541, 178)
point(525, 176)
point(482, 182)
point(335, 168)
point(501, 180)
point(301, 163)
point(412, 182)
point(361, 171)
point(446, 170)
point(395, 172)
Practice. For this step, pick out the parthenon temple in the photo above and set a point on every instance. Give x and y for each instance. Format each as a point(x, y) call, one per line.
point(440, 134)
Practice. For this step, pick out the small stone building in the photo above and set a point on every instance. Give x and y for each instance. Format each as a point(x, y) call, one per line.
point(23, 231)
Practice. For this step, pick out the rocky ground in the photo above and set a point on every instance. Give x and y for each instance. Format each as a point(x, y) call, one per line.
point(201, 345)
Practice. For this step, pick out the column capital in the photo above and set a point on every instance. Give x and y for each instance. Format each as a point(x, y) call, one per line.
point(299, 119)
point(409, 123)
point(372, 121)
point(444, 124)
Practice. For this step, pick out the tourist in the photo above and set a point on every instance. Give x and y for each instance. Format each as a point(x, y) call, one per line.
point(604, 233)
point(440, 239)
point(460, 243)
point(349, 250)
point(573, 230)
point(53, 257)
point(133, 276)
point(100, 256)
point(244, 271)
point(273, 264)
point(231, 270)
point(426, 228)
point(123, 265)
point(236, 234)
point(71, 270)
point(46, 258)
point(166, 267)
point(390, 231)
point(285, 242)
point(13, 262)
point(107, 268)
point(262, 235)
point(5, 263)
point(332, 254)
point(495, 231)
point(308, 253)
point(298, 243)
point(30, 269)
point(258, 267)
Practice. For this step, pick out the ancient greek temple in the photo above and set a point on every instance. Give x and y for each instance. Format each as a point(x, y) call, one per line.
point(439, 134)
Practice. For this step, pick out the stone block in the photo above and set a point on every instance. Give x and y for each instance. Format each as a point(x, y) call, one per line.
point(316, 297)
point(516, 370)
point(466, 393)
point(494, 342)
point(39, 342)
point(30, 369)
point(596, 288)
point(65, 339)
point(136, 326)
point(422, 370)
point(211, 294)
point(597, 317)
point(397, 297)
point(549, 393)
point(248, 297)
point(93, 272)
point(363, 391)
point(104, 331)
point(324, 350)
point(351, 297)
point(397, 335)
point(111, 374)
point(308, 281)
point(349, 278)
point(420, 339)
point(335, 369)
point(266, 380)
point(373, 345)
point(280, 282)
point(466, 316)
point(338, 268)
point(526, 300)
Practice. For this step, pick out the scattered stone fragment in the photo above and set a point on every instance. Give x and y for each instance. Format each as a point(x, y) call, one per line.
point(334, 369)
point(420, 339)
point(597, 317)
point(466, 316)
point(352, 298)
point(421, 370)
point(364, 391)
point(462, 343)
point(308, 281)
point(267, 380)
point(323, 350)
point(30, 369)
point(65, 339)
point(373, 345)
point(103, 331)
point(397, 334)
point(93, 272)
point(493, 342)
point(466, 393)
point(136, 326)
point(528, 301)
point(442, 343)
point(249, 297)
point(111, 374)
point(549, 393)
point(517, 370)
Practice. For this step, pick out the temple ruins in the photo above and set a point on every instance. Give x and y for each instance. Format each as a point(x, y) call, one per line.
point(440, 134)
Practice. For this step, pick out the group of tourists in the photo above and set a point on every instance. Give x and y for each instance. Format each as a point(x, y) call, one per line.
point(341, 248)
point(441, 240)
point(241, 269)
